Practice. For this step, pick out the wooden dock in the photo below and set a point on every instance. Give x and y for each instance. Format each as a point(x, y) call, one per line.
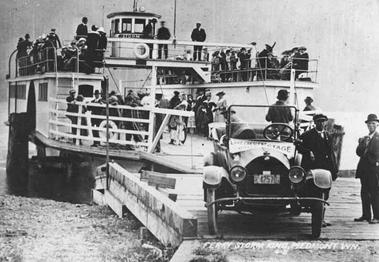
point(172, 222)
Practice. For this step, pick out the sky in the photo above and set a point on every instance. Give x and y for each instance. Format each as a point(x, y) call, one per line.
point(342, 34)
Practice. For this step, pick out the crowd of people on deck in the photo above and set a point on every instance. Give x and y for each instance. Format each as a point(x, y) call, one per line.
point(47, 54)
point(243, 65)
point(206, 110)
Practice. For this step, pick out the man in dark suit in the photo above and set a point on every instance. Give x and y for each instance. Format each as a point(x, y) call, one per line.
point(316, 147)
point(317, 150)
point(368, 171)
point(82, 30)
point(163, 34)
point(198, 35)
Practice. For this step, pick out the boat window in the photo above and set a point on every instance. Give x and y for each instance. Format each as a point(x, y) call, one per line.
point(85, 90)
point(17, 91)
point(42, 92)
point(126, 26)
point(139, 25)
point(112, 28)
point(116, 26)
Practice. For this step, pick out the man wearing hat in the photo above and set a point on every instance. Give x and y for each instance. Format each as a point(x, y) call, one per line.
point(54, 38)
point(278, 113)
point(308, 102)
point(368, 171)
point(198, 35)
point(300, 61)
point(317, 150)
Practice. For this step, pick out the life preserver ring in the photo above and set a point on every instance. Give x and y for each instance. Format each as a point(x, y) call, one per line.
point(145, 53)
point(112, 127)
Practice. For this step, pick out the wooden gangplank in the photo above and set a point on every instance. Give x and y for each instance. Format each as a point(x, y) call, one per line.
point(166, 220)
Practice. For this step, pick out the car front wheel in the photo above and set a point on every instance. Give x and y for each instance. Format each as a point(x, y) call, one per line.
point(212, 211)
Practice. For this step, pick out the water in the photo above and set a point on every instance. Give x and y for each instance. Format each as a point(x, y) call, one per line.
point(51, 180)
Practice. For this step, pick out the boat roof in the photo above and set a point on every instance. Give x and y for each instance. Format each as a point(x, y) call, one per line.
point(137, 14)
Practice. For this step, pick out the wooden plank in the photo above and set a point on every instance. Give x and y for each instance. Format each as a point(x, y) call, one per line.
point(98, 197)
point(158, 179)
point(168, 163)
point(114, 203)
point(164, 219)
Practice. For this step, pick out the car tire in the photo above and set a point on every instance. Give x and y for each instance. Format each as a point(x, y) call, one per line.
point(212, 211)
point(317, 217)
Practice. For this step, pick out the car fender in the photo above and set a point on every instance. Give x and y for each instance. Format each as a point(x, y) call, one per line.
point(212, 175)
point(322, 178)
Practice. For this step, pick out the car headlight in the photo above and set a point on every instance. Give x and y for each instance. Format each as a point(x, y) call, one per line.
point(237, 174)
point(296, 174)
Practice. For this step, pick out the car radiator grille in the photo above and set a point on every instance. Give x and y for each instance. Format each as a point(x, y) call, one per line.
point(272, 166)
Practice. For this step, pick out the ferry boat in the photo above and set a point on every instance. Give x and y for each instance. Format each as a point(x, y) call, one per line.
point(39, 86)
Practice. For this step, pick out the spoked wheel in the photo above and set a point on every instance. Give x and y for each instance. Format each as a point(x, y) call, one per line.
point(278, 131)
point(212, 211)
point(317, 217)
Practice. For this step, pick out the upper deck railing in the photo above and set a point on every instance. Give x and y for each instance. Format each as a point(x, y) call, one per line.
point(227, 62)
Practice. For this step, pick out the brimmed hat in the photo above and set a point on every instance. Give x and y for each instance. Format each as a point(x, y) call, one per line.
point(372, 117)
point(82, 39)
point(72, 91)
point(176, 92)
point(221, 93)
point(53, 30)
point(101, 29)
point(97, 92)
point(282, 94)
point(320, 117)
point(308, 99)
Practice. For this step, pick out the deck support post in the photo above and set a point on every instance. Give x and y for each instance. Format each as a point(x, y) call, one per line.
point(151, 113)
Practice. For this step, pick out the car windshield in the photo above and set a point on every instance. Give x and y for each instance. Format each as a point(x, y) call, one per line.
point(277, 122)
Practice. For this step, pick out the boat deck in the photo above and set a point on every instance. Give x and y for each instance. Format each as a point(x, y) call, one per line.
point(187, 158)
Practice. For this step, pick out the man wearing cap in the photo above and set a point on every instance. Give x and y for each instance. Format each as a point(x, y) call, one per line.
point(278, 113)
point(317, 150)
point(82, 30)
point(72, 107)
point(163, 34)
point(96, 111)
point(368, 171)
point(198, 35)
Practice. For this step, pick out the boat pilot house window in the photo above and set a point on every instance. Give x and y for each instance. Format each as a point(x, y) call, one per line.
point(115, 26)
point(42, 92)
point(139, 25)
point(17, 91)
point(126, 26)
point(85, 90)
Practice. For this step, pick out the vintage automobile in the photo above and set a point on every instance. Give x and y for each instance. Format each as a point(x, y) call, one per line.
point(256, 167)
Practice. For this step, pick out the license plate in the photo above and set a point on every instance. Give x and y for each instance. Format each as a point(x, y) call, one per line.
point(267, 179)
